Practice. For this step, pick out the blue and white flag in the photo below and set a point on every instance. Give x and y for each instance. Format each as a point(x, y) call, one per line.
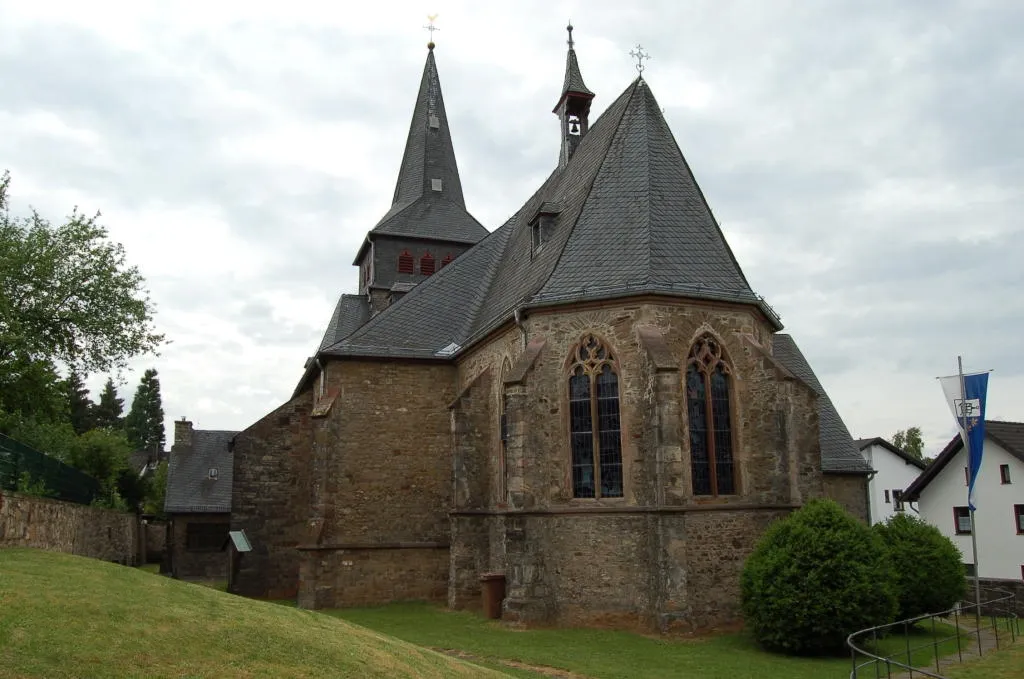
point(968, 407)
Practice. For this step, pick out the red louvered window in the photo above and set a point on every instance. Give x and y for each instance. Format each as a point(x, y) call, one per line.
point(427, 264)
point(446, 261)
point(406, 262)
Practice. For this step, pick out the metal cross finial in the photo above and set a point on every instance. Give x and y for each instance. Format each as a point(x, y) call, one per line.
point(570, 41)
point(431, 27)
point(639, 55)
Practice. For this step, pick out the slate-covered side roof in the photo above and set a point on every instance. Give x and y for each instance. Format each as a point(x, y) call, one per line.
point(839, 454)
point(419, 209)
point(189, 486)
point(349, 315)
point(632, 221)
point(879, 441)
point(1009, 436)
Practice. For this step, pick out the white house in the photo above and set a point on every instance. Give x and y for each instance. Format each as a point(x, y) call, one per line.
point(894, 471)
point(940, 495)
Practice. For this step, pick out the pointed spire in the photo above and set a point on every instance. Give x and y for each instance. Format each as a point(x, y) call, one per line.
point(573, 82)
point(428, 167)
point(573, 107)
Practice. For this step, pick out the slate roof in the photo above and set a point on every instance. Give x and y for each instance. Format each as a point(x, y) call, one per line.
point(1009, 436)
point(349, 314)
point(839, 453)
point(189, 486)
point(879, 441)
point(573, 82)
point(418, 210)
point(632, 221)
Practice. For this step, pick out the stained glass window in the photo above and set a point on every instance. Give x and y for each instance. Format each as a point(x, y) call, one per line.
point(594, 429)
point(709, 413)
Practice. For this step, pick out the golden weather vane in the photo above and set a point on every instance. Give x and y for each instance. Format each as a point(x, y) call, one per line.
point(431, 27)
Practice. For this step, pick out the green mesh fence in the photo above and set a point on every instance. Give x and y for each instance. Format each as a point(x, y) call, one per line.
point(20, 464)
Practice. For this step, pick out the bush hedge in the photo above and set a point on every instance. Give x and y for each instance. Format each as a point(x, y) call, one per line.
point(815, 577)
point(929, 570)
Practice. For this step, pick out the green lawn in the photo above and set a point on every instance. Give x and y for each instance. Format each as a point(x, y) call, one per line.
point(67, 616)
point(593, 653)
point(1007, 663)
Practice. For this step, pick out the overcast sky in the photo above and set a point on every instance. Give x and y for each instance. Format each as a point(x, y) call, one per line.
point(864, 157)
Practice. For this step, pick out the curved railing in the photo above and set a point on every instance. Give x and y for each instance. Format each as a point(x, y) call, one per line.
point(998, 609)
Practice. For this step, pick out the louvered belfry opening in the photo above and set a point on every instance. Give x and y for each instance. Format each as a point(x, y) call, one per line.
point(595, 432)
point(710, 420)
point(406, 262)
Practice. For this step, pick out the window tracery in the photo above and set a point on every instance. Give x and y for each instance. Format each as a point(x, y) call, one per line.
point(708, 407)
point(594, 426)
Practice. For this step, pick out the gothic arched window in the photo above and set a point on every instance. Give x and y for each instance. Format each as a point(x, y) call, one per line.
point(708, 407)
point(503, 427)
point(406, 262)
point(594, 430)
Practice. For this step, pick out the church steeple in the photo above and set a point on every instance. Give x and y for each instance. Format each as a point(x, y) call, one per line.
point(428, 166)
point(573, 107)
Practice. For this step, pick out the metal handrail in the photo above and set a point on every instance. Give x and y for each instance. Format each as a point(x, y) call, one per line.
point(957, 613)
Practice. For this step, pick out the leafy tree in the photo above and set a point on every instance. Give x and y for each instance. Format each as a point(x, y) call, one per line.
point(32, 388)
point(909, 440)
point(930, 575)
point(79, 405)
point(102, 454)
point(145, 421)
point(815, 577)
point(157, 491)
point(67, 295)
point(55, 438)
point(107, 413)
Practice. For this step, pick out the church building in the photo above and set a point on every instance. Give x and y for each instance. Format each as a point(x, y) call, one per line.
point(590, 400)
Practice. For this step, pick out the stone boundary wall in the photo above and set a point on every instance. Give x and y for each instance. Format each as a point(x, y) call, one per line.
point(42, 523)
point(1012, 586)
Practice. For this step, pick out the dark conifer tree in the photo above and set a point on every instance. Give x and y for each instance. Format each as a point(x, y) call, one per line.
point(107, 413)
point(79, 405)
point(145, 421)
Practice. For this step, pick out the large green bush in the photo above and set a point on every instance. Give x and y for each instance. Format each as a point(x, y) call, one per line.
point(815, 577)
point(929, 568)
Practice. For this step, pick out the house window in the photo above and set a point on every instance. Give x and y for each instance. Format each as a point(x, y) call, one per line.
point(1004, 473)
point(206, 537)
point(967, 476)
point(969, 569)
point(708, 408)
point(446, 261)
point(1018, 517)
point(897, 498)
point(594, 429)
point(962, 520)
point(406, 262)
point(886, 496)
point(427, 264)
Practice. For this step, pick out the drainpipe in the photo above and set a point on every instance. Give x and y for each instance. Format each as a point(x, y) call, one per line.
point(517, 316)
point(320, 366)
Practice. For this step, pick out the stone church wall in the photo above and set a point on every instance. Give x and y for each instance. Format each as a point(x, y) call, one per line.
point(658, 555)
point(270, 499)
point(383, 485)
point(850, 491)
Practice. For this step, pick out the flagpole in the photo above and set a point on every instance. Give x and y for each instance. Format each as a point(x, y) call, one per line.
point(970, 482)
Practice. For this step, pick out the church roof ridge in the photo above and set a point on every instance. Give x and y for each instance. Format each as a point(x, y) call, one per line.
point(633, 221)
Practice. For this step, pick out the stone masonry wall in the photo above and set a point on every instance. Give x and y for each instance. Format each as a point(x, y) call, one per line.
point(270, 498)
point(850, 491)
point(156, 540)
point(204, 564)
point(383, 483)
point(367, 577)
point(659, 554)
point(42, 523)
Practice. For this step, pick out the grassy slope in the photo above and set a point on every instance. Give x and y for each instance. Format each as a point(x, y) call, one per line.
point(1005, 664)
point(68, 616)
